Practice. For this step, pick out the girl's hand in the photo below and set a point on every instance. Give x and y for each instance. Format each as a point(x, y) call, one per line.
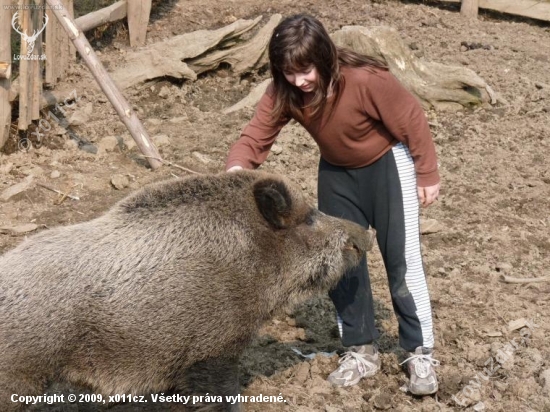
point(428, 195)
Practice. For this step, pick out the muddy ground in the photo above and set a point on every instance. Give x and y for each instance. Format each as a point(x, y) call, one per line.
point(493, 214)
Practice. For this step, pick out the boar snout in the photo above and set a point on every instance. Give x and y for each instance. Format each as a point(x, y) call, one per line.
point(359, 242)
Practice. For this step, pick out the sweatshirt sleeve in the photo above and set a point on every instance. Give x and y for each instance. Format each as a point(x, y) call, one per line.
point(385, 99)
point(252, 148)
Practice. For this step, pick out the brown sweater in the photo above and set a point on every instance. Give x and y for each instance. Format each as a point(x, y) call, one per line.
point(373, 114)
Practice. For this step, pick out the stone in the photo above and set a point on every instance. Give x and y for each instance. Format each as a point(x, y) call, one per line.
point(201, 157)
point(161, 140)
point(545, 381)
point(16, 189)
point(428, 226)
point(120, 181)
point(276, 149)
point(6, 169)
point(107, 144)
point(17, 230)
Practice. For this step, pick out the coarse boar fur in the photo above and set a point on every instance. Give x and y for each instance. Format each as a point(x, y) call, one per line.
point(164, 291)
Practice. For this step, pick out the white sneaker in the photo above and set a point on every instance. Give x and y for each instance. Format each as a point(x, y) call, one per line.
point(423, 379)
point(356, 364)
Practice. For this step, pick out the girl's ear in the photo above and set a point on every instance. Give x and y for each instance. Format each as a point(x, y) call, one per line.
point(273, 201)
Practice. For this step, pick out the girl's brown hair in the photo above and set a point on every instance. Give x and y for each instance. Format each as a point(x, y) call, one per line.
point(298, 43)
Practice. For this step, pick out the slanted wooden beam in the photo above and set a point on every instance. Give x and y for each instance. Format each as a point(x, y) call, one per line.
point(114, 12)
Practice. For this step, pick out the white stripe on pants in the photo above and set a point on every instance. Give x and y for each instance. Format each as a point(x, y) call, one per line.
point(415, 277)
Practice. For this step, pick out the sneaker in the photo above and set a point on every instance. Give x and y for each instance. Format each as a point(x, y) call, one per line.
point(423, 379)
point(357, 363)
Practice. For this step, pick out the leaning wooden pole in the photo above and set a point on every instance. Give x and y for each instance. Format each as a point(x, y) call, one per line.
point(114, 95)
point(469, 8)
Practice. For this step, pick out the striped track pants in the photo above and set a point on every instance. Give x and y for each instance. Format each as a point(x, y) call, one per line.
point(382, 195)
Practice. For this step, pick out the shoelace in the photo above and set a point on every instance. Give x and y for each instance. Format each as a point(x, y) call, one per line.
point(422, 364)
point(358, 357)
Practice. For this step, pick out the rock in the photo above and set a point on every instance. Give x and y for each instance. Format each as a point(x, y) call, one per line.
point(6, 169)
point(329, 408)
point(319, 386)
point(428, 226)
point(120, 181)
point(16, 189)
point(71, 144)
point(55, 174)
point(17, 230)
point(503, 267)
point(164, 92)
point(302, 373)
point(33, 170)
point(201, 157)
point(161, 140)
point(178, 119)
point(79, 117)
point(129, 142)
point(545, 381)
point(479, 407)
point(517, 324)
point(382, 401)
point(107, 144)
point(276, 149)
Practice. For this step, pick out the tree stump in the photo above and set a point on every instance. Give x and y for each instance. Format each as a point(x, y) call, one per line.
point(436, 85)
point(250, 55)
point(166, 58)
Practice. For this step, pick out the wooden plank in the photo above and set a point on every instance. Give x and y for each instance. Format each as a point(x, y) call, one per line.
point(36, 89)
point(25, 69)
point(71, 58)
point(469, 8)
point(97, 18)
point(5, 84)
point(51, 38)
point(138, 20)
point(63, 40)
point(533, 9)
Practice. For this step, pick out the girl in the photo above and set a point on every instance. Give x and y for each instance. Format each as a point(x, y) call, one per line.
point(378, 162)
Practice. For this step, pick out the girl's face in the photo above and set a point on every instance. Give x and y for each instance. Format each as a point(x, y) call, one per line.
point(305, 80)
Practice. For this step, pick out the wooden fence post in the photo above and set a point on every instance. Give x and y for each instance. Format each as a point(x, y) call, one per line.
point(138, 20)
point(36, 65)
point(25, 26)
point(469, 8)
point(5, 62)
point(114, 95)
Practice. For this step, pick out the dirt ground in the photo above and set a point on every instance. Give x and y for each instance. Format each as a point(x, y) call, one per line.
point(493, 216)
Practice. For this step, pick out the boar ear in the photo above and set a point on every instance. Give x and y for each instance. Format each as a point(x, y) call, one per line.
point(274, 202)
